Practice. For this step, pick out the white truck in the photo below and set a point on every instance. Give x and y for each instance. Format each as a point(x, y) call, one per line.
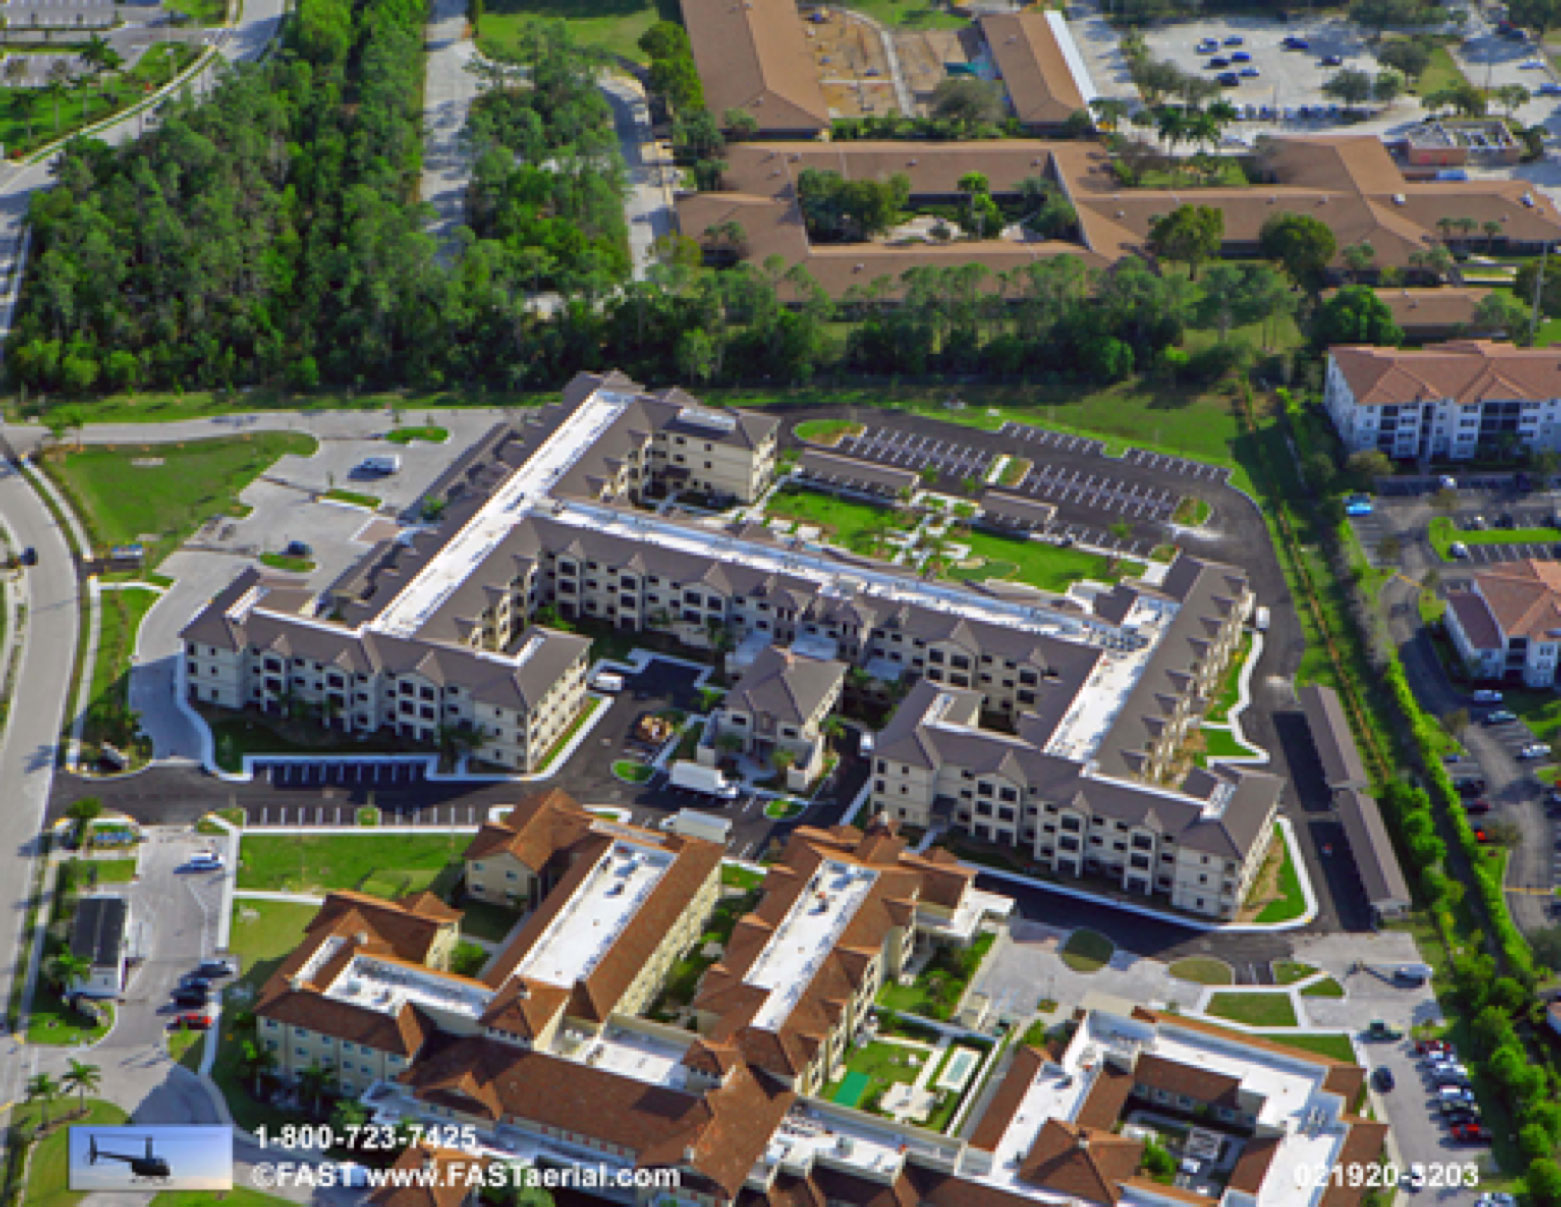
point(691, 823)
point(696, 778)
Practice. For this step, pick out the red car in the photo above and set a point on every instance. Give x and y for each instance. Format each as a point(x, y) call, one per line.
point(195, 1022)
point(1425, 1046)
point(1480, 835)
point(1471, 1133)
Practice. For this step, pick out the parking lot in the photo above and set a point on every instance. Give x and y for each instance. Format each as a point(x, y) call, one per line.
point(1286, 80)
point(918, 451)
point(333, 814)
point(1041, 437)
point(1177, 465)
point(1132, 500)
point(345, 773)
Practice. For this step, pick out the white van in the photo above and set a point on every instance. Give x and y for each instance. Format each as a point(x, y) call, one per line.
point(606, 681)
point(1260, 619)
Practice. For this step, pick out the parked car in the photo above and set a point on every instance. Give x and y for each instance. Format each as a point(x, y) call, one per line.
point(1532, 65)
point(1505, 520)
point(1459, 550)
point(1455, 1093)
point(205, 861)
point(1486, 696)
point(1250, 73)
point(1549, 88)
point(29, 556)
point(1477, 806)
point(1359, 505)
point(1218, 62)
point(1331, 60)
point(1241, 56)
point(193, 1022)
point(1292, 42)
point(1473, 786)
point(1422, 1046)
point(606, 681)
point(191, 998)
point(1480, 835)
point(1447, 482)
point(1499, 717)
point(1382, 1078)
point(1235, 40)
point(1206, 46)
point(1535, 750)
point(1227, 79)
point(218, 966)
point(1471, 1133)
point(297, 549)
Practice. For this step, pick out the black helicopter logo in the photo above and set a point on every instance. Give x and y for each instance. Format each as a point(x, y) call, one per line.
point(148, 1168)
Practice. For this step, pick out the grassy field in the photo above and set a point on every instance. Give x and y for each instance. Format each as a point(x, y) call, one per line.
point(882, 1065)
point(1254, 1009)
point(633, 772)
point(484, 920)
point(1327, 987)
point(428, 433)
point(384, 865)
point(48, 1170)
point(52, 1022)
point(746, 879)
point(282, 561)
point(119, 619)
point(1203, 970)
point(114, 871)
point(1288, 972)
point(845, 521)
point(354, 497)
point(1335, 1047)
point(1221, 743)
point(169, 496)
point(1440, 74)
point(936, 992)
point(239, 1196)
point(1087, 951)
point(1540, 711)
point(610, 26)
point(236, 736)
point(1230, 685)
point(1291, 902)
point(826, 431)
point(1049, 567)
point(910, 14)
point(783, 809)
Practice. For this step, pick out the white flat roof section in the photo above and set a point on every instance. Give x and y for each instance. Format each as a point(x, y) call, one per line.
point(379, 985)
point(1113, 679)
point(810, 930)
point(595, 915)
point(1071, 55)
point(506, 507)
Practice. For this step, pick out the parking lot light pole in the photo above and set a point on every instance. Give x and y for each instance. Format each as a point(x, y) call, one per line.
point(1539, 288)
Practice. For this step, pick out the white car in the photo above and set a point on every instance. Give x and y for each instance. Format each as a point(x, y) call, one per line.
point(1534, 750)
point(1496, 1198)
point(1459, 550)
point(206, 861)
point(606, 681)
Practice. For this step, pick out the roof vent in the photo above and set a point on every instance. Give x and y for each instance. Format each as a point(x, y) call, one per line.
point(1400, 199)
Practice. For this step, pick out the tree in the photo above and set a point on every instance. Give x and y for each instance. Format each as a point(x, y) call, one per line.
point(1538, 15)
point(1109, 111)
point(1302, 244)
point(43, 1088)
point(1500, 313)
point(1189, 234)
point(1358, 258)
point(311, 1086)
point(1389, 85)
point(968, 102)
point(66, 968)
point(1547, 946)
point(1511, 96)
point(1456, 720)
point(1367, 465)
point(86, 809)
point(1355, 315)
point(740, 123)
point(1408, 55)
point(348, 1114)
point(467, 959)
point(1350, 87)
point(1544, 1182)
point(84, 1079)
point(1550, 293)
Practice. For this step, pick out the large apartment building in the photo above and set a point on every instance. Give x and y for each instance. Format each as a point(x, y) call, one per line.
point(548, 1062)
point(1451, 402)
point(1507, 624)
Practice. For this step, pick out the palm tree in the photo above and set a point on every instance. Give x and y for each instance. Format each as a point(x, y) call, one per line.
point(1358, 258)
point(26, 105)
point(66, 968)
point(311, 1084)
point(95, 53)
point(1492, 228)
point(57, 87)
point(255, 1062)
point(1109, 111)
point(43, 1087)
point(15, 69)
point(84, 1079)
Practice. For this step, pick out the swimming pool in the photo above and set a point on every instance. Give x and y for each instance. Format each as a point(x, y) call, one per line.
point(961, 1065)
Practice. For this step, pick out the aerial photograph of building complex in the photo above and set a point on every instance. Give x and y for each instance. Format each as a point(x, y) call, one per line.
point(750, 603)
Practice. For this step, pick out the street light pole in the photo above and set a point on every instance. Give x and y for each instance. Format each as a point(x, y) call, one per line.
point(1539, 288)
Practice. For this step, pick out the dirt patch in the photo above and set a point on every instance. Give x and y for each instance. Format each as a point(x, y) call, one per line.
point(924, 54)
point(1265, 885)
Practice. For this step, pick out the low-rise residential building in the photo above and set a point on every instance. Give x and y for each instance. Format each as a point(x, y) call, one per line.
point(99, 936)
point(517, 860)
point(1449, 402)
point(1507, 625)
point(1040, 67)
point(778, 707)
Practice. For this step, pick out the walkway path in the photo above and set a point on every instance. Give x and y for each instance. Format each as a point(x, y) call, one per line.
point(648, 207)
point(447, 100)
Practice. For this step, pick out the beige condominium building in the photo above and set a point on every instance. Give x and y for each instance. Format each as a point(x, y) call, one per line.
point(778, 707)
point(1507, 623)
point(548, 1060)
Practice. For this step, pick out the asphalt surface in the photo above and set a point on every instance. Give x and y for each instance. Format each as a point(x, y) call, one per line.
point(448, 92)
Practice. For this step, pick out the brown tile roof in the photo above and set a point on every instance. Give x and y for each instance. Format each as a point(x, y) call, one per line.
point(451, 1185)
point(1257, 1154)
point(753, 55)
point(1524, 597)
point(597, 995)
point(1174, 1077)
point(1362, 1147)
point(525, 1008)
point(541, 826)
point(1034, 69)
point(888, 904)
point(1004, 1104)
point(1419, 311)
point(1474, 617)
point(1102, 1106)
point(724, 1131)
point(402, 1034)
point(1074, 1160)
point(1465, 371)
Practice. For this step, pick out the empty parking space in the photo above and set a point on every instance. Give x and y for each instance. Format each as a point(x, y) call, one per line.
point(1176, 465)
point(345, 773)
point(346, 815)
point(1132, 500)
point(1485, 555)
point(1044, 438)
point(918, 451)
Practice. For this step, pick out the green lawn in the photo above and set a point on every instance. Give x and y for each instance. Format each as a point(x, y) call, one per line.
point(176, 489)
point(858, 526)
point(1442, 535)
point(1327, 987)
point(632, 771)
point(484, 920)
point(1333, 1046)
point(1540, 710)
point(1231, 177)
point(882, 1065)
point(428, 433)
point(783, 808)
point(611, 26)
point(202, 12)
point(1221, 743)
point(1254, 1009)
point(355, 497)
point(1440, 74)
point(1087, 951)
point(385, 865)
point(1203, 970)
point(113, 871)
point(108, 715)
point(235, 736)
point(48, 1170)
point(1288, 972)
point(1048, 567)
point(936, 992)
point(1291, 902)
point(282, 561)
point(826, 431)
point(910, 14)
point(239, 1196)
point(51, 1021)
point(746, 879)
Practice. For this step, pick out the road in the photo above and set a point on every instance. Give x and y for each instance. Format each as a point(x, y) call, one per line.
point(448, 93)
point(32, 732)
point(648, 206)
